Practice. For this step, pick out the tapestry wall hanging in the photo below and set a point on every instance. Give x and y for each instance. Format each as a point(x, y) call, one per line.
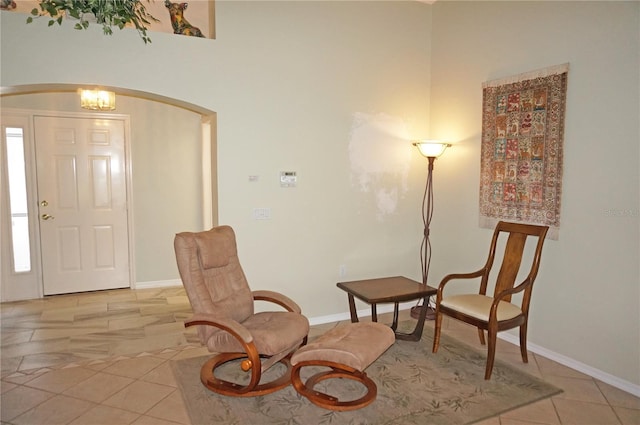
point(521, 154)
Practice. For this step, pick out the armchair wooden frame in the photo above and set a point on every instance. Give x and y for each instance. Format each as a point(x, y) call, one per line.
point(338, 370)
point(226, 320)
point(490, 313)
point(251, 355)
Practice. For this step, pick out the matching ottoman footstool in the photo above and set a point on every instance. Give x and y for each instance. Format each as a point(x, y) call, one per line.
point(347, 350)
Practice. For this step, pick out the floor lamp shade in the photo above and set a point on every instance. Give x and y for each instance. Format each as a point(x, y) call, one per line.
point(431, 148)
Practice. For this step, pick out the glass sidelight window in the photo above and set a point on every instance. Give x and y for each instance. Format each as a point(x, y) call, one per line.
point(16, 176)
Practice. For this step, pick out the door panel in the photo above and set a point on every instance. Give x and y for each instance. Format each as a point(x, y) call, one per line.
point(82, 203)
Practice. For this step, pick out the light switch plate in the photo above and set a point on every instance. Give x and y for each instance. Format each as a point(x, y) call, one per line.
point(261, 213)
point(288, 179)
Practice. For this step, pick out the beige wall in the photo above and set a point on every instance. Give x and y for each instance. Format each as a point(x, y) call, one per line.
point(331, 90)
point(585, 304)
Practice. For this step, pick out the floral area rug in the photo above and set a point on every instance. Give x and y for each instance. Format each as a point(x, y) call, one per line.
point(415, 386)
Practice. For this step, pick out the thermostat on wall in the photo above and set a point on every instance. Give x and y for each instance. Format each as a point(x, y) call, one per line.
point(288, 179)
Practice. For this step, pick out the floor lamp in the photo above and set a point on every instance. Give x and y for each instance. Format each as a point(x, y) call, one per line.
point(431, 150)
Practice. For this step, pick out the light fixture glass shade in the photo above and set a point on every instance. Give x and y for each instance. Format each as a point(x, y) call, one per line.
point(98, 100)
point(431, 148)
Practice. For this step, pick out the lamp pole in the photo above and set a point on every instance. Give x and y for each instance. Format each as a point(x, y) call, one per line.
point(427, 214)
point(431, 150)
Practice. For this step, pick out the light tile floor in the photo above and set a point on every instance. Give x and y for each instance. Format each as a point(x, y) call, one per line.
point(103, 358)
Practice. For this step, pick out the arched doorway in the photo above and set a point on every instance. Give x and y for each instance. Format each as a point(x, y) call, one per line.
point(52, 96)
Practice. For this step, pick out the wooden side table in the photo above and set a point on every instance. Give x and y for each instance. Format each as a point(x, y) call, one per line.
point(395, 290)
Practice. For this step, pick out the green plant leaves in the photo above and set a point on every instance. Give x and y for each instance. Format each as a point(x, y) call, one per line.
point(108, 13)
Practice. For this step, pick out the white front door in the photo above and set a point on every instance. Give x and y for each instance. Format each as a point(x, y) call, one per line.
point(82, 201)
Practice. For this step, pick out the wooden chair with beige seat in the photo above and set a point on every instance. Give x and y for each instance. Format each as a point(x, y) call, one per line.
point(223, 306)
point(495, 313)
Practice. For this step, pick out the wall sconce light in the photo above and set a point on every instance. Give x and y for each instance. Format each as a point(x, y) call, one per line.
point(431, 149)
point(97, 100)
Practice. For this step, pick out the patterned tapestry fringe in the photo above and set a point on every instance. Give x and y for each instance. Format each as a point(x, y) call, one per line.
point(539, 73)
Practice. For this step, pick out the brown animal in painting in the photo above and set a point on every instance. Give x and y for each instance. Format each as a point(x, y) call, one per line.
point(7, 4)
point(178, 22)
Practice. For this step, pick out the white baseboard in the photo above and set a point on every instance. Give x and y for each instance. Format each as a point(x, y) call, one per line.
point(157, 284)
point(576, 365)
point(388, 308)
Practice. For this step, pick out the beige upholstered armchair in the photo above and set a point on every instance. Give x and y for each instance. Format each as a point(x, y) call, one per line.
point(498, 312)
point(223, 306)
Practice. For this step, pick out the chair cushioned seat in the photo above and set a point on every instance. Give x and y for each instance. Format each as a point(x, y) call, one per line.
point(478, 306)
point(273, 332)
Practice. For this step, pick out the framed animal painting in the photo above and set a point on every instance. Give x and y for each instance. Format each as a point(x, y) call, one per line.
point(194, 18)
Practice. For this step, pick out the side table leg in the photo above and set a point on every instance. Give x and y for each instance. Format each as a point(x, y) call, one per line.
point(394, 324)
point(417, 332)
point(352, 309)
point(374, 313)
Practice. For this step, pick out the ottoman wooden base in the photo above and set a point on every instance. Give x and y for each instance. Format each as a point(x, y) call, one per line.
point(347, 350)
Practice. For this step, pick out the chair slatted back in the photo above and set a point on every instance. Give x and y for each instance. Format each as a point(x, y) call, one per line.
point(511, 263)
point(513, 255)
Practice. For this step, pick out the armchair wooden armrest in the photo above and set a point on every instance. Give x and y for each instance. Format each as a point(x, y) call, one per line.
point(510, 291)
point(234, 328)
point(507, 293)
point(457, 276)
point(277, 298)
